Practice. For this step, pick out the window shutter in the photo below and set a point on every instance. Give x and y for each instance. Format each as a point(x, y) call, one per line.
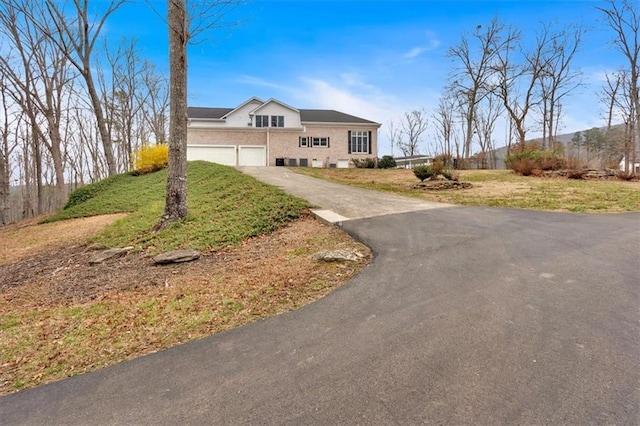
point(328, 145)
point(370, 141)
point(349, 142)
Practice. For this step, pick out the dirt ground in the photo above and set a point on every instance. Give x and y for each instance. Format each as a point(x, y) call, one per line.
point(61, 316)
point(53, 259)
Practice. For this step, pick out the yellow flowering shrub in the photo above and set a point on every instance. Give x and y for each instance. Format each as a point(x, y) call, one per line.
point(150, 158)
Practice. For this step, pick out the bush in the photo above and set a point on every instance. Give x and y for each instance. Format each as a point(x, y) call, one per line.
point(529, 159)
point(437, 167)
point(364, 163)
point(449, 175)
point(387, 162)
point(423, 172)
point(150, 159)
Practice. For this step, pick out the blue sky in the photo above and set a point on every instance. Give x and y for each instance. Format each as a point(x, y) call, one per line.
point(374, 59)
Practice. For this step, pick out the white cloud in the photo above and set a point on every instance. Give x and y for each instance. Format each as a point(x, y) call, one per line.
point(432, 44)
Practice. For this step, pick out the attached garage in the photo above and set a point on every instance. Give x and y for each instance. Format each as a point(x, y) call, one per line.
point(252, 155)
point(221, 154)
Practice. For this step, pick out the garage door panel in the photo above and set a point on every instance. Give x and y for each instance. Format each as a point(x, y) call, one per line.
point(225, 155)
point(252, 156)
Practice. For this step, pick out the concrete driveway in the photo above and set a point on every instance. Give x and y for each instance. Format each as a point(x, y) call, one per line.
point(336, 203)
point(466, 316)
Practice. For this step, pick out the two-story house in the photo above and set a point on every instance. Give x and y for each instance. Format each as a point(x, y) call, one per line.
point(260, 133)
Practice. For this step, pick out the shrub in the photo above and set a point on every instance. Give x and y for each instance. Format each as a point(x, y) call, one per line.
point(364, 163)
point(150, 159)
point(437, 167)
point(450, 175)
point(387, 162)
point(525, 160)
point(423, 172)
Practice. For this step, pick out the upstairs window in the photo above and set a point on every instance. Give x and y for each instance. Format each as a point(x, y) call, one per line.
point(277, 121)
point(262, 121)
point(359, 142)
point(304, 141)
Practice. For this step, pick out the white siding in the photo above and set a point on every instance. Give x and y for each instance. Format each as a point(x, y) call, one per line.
point(291, 118)
point(241, 117)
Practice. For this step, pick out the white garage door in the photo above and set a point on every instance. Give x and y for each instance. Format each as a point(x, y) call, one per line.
point(253, 156)
point(221, 154)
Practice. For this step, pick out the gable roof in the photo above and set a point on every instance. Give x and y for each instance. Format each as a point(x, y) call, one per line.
point(274, 101)
point(248, 101)
point(306, 115)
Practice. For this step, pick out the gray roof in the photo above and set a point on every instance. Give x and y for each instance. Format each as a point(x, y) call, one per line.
point(306, 115)
point(200, 112)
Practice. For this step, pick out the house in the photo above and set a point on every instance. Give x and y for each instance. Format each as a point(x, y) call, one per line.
point(412, 161)
point(633, 167)
point(260, 133)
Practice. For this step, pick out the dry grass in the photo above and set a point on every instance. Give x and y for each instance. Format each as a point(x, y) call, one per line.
point(28, 237)
point(499, 188)
point(54, 324)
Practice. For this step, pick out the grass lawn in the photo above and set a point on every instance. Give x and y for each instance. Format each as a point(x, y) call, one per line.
point(499, 188)
point(60, 317)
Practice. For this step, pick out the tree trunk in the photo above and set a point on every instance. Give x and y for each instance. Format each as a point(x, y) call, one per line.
point(176, 199)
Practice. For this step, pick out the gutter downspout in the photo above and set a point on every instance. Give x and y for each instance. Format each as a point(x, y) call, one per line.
point(268, 137)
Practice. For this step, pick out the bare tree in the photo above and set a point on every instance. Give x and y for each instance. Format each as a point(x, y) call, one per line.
point(176, 198)
point(156, 102)
point(473, 78)
point(76, 38)
point(557, 78)
point(484, 124)
point(38, 76)
point(412, 126)
point(7, 145)
point(444, 121)
point(517, 77)
point(394, 135)
point(623, 18)
point(185, 20)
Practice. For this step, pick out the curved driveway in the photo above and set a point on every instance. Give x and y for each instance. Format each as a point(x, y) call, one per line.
point(466, 316)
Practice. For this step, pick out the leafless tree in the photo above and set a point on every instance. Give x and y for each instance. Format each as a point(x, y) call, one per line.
point(38, 76)
point(484, 124)
point(76, 38)
point(412, 125)
point(156, 102)
point(7, 145)
point(444, 121)
point(558, 79)
point(394, 135)
point(185, 20)
point(623, 18)
point(517, 74)
point(473, 75)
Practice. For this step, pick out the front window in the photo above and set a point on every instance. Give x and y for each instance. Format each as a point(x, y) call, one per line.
point(262, 121)
point(304, 141)
point(323, 142)
point(277, 121)
point(360, 142)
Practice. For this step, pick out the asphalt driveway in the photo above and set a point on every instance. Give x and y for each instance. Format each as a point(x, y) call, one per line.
point(466, 316)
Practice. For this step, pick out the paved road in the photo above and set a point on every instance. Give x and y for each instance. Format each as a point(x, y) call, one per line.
point(466, 316)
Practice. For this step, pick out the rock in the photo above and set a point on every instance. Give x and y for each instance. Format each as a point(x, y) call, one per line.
point(109, 254)
point(336, 256)
point(442, 185)
point(176, 256)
